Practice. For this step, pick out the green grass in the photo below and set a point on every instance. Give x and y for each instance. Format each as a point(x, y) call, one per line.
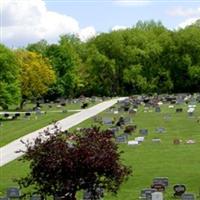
point(53, 106)
point(180, 163)
point(13, 129)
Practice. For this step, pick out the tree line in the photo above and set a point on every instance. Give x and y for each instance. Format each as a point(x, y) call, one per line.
point(147, 58)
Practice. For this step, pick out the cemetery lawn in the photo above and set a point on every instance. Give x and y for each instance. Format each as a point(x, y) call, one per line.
point(180, 163)
point(13, 129)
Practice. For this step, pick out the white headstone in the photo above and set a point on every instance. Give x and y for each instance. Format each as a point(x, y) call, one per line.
point(133, 142)
point(157, 196)
point(139, 139)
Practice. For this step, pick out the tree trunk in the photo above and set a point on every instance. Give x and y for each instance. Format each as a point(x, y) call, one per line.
point(22, 104)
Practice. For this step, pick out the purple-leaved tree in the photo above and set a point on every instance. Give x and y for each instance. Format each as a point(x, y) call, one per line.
point(63, 164)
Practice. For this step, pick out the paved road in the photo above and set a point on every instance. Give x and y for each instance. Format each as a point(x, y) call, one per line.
point(8, 152)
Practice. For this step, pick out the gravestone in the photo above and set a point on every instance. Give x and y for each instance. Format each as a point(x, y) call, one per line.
point(179, 190)
point(38, 111)
point(157, 109)
point(156, 140)
point(107, 121)
point(13, 192)
point(139, 139)
point(84, 105)
point(17, 115)
point(160, 130)
point(158, 186)
point(6, 115)
point(114, 130)
point(161, 180)
point(130, 128)
point(133, 142)
point(147, 193)
point(180, 101)
point(63, 104)
point(35, 197)
point(27, 114)
point(157, 196)
point(132, 111)
point(87, 195)
point(179, 110)
point(120, 139)
point(188, 196)
point(143, 131)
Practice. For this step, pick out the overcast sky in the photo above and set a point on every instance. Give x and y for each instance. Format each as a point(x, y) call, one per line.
point(28, 21)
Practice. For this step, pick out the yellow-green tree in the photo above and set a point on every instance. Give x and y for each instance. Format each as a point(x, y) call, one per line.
point(36, 75)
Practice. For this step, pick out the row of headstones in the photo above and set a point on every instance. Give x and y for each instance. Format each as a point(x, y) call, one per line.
point(123, 138)
point(159, 185)
point(15, 193)
point(110, 121)
point(15, 115)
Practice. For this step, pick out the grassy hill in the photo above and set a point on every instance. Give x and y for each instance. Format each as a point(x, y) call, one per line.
point(180, 163)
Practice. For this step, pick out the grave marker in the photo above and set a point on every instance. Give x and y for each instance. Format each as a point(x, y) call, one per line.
point(161, 180)
point(139, 139)
point(179, 110)
point(147, 193)
point(143, 131)
point(133, 142)
point(158, 186)
point(120, 139)
point(13, 192)
point(157, 109)
point(107, 121)
point(160, 130)
point(179, 190)
point(156, 140)
point(188, 196)
point(157, 196)
point(35, 197)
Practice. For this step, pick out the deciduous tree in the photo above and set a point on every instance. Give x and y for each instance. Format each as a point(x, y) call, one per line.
point(9, 78)
point(36, 75)
point(62, 165)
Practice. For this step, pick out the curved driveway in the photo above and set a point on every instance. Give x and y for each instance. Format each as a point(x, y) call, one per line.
point(8, 152)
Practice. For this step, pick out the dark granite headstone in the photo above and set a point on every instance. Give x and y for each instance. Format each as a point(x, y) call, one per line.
point(179, 190)
point(160, 187)
point(146, 193)
point(121, 139)
point(160, 130)
point(157, 109)
point(13, 192)
point(161, 180)
point(143, 131)
point(179, 110)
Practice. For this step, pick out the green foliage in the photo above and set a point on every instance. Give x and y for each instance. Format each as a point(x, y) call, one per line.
point(36, 74)
point(145, 58)
point(9, 78)
point(65, 62)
